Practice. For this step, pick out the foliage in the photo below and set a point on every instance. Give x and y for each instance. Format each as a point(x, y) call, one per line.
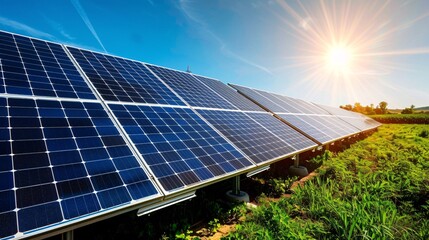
point(403, 118)
point(214, 225)
point(279, 186)
point(409, 110)
point(376, 189)
point(381, 108)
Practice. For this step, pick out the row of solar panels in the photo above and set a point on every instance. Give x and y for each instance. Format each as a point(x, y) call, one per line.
point(85, 134)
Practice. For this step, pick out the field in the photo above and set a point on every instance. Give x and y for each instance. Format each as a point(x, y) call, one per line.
point(419, 118)
point(376, 189)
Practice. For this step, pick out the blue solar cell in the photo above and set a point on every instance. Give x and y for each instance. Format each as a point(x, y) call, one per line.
point(61, 163)
point(191, 89)
point(38, 216)
point(8, 229)
point(38, 68)
point(179, 147)
point(81, 205)
point(118, 79)
point(7, 201)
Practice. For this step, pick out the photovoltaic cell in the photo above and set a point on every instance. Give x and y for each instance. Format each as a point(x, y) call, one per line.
point(37, 68)
point(118, 79)
point(65, 159)
point(230, 94)
point(179, 147)
point(191, 89)
point(248, 135)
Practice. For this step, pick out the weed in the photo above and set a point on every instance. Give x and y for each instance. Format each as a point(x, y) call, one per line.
point(214, 226)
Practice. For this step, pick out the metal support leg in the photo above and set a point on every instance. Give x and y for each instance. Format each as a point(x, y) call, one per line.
point(296, 170)
point(67, 235)
point(236, 195)
point(296, 161)
point(236, 185)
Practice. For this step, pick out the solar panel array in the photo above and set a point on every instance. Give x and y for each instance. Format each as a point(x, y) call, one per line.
point(231, 114)
point(358, 120)
point(320, 123)
point(61, 155)
point(85, 133)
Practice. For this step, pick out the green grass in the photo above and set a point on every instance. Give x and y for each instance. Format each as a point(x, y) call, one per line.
point(376, 189)
point(417, 118)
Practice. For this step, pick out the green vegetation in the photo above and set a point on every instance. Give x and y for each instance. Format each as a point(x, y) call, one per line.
point(376, 189)
point(403, 118)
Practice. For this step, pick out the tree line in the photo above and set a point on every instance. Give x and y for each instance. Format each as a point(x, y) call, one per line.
point(381, 108)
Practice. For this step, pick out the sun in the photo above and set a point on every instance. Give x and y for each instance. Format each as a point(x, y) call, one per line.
point(338, 59)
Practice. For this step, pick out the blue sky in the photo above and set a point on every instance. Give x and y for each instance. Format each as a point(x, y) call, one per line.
point(279, 46)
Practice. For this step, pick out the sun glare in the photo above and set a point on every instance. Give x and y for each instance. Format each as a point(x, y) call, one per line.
point(344, 47)
point(338, 59)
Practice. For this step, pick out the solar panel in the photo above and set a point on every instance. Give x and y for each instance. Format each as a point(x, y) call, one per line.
point(311, 127)
point(358, 120)
point(38, 68)
point(118, 79)
point(179, 147)
point(191, 89)
point(262, 100)
point(280, 104)
point(61, 160)
point(256, 134)
point(230, 94)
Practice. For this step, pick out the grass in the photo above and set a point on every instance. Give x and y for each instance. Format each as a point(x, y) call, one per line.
point(376, 189)
point(417, 118)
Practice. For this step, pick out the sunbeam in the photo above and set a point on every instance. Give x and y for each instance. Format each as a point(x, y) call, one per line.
point(344, 46)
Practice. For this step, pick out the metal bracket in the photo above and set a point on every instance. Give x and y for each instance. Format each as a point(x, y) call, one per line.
point(152, 208)
point(259, 170)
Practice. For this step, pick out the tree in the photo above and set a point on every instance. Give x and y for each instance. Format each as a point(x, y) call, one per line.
point(409, 110)
point(383, 107)
point(357, 107)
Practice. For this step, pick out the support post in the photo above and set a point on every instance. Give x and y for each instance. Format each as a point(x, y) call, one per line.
point(296, 170)
point(236, 185)
point(67, 235)
point(235, 194)
point(296, 161)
